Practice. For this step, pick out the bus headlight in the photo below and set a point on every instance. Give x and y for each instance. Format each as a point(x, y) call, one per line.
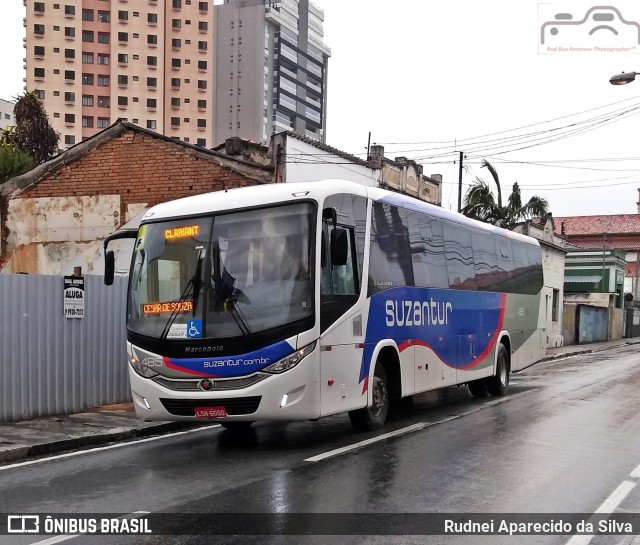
point(290, 361)
point(139, 367)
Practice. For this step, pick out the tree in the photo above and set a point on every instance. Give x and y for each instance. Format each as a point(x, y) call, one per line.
point(13, 161)
point(479, 203)
point(33, 133)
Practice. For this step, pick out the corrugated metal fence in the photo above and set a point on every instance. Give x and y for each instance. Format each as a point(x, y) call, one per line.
point(50, 364)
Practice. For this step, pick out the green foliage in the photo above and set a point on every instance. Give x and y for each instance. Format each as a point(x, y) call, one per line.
point(33, 132)
point(479, 203)
point(13, 162)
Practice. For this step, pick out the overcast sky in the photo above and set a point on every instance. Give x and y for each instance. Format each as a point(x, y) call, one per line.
point(431, 78)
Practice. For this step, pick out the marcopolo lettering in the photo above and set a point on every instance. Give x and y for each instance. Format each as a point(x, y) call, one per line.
point(411, 313)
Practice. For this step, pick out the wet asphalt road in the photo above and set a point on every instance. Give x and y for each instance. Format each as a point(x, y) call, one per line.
point(566, 435)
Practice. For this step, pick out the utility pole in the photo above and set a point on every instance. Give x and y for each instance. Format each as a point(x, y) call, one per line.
point(460, 183)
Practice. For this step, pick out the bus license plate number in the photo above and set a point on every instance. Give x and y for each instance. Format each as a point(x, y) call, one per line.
point(211, 412)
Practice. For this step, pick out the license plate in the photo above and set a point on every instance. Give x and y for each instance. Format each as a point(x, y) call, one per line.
point(211, 412)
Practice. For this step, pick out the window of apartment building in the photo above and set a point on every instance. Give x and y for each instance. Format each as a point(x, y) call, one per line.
point(175, 82)
point(69, 53)
point(103, 37)
point(202, 65)
point(151, 102)
point(56, 115)
point(123, 36)
point(87, 79)
point(202, 45)
point(87, 58)
point(104, 17)
point(87, 15)
point(152, 18)
point(38, 7)
point(123, 79)
point(56, 71)
point(56, 50)
point(202, 123)
point(69, 118)
point(70, 75)
point(87, 100)
point(103, 58)
point(38, 30)
point(87, 121)
point(103, 81)
point(69, 10)
point(175, 121)
point(175, 102)
point(202, 84)
point(104, 102)
point(123, 101)
point(175, 63)
point(123, 15)
point(136, 14)
point(38, 72)
point(187, 22)
point(69, 139)
point(103, 122)
point(201, 142)
point(202, 26)
point(135, 78)
point(123, 58)
point(69, 97)
point(39, 93)
point(152, 61)
point(177, 4)
point(56, 28)
point(152, 82)
point(152, 39)
point(151, 124)
point(176, 43)
point(69, 32)
point(87, 35)
point(203, 6)
point(202, 104)
point(136, 35)
point(136, 57)
point(176, 23)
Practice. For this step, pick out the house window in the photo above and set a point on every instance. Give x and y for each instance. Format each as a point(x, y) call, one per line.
point(555, 305)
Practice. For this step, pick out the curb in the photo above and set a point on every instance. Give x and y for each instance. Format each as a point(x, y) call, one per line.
point(22, 452)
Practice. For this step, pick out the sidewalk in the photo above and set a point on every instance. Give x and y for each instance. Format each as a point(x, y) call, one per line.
point(31, 438)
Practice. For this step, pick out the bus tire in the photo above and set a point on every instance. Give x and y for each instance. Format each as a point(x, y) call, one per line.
point(236, 425)
point(478, 388)
point(374, 417)
point(498, 384)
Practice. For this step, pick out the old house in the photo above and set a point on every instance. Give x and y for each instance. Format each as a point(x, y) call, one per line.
point(54, 217)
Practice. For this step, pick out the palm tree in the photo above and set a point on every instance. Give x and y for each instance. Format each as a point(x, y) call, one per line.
point(480, 204)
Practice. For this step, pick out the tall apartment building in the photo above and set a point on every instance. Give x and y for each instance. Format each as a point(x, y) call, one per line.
point(150, 62)
point(271, 69)
point(6, 113)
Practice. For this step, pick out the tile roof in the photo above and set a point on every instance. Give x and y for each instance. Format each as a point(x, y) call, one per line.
point(597, 225)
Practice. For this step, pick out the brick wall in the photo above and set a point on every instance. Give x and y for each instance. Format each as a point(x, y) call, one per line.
point(141, 169)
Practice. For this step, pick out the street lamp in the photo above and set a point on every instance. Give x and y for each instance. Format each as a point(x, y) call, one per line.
point(623, 79)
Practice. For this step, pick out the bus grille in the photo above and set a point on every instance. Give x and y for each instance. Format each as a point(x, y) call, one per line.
point(233, 406)
point(192, 385)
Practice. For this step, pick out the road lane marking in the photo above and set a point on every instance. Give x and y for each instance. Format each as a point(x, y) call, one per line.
point(99, 449)
point(67, 537)
point(409, 429)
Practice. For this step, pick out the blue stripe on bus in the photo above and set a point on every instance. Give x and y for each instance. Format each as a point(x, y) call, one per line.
point(460, 327)
point(231, 366)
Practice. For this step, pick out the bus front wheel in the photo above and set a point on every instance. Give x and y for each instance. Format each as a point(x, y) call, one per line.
point(498, 384)
point(374, 417)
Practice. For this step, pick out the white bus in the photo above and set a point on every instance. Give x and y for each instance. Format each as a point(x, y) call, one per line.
point(302, 300)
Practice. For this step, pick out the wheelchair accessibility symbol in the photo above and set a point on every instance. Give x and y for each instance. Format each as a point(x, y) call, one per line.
point(194, 329)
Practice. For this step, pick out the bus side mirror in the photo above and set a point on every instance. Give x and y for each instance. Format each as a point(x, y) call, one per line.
point(109, 267)
point(339, 246)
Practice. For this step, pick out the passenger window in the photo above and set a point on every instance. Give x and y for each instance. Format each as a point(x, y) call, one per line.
point(458, 249)
point(427, 252)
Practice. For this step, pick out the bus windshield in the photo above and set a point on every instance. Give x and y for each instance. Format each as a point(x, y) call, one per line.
point(229, 275)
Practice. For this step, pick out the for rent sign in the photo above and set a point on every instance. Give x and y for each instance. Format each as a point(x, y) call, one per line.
point(74, 297)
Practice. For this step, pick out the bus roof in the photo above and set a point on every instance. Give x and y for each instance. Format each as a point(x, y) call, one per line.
point(265, 194)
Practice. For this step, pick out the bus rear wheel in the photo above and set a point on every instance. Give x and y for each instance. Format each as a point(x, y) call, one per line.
point(498, 384)
point(374, 417)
